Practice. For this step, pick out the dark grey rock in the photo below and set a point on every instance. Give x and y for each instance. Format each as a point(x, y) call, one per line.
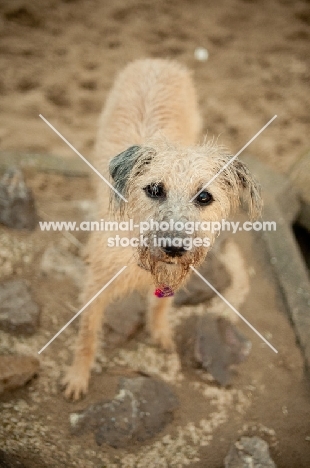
point(9, 461)
point(249, 452)
point(16, 371)
point(142, 407)
point(17, 207)
point(196, 292)
point(18, 312)
point(219, 345)
point(124, 317)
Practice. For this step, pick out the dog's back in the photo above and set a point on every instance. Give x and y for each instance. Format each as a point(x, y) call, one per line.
point(149, 96)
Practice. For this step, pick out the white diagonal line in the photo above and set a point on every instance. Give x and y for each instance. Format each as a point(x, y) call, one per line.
point(66, 234)
point(235, 310)
point(82, 157)
point(233, 158)
point(83, 308)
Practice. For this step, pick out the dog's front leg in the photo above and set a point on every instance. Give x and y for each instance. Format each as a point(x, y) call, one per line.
point(158, 323)
point(77, 377)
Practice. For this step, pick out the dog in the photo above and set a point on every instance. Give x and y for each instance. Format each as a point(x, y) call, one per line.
point(147, 146)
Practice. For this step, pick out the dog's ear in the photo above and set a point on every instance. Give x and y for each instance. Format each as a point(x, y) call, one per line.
point(125, 167)
point(121, 166)
point(249, 188)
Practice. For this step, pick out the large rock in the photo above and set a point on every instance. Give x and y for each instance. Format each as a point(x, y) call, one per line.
point(16, 371)
point(249, 452)
point(124, 317)
point(220, 345)
point(18, 312)
point(9, 461)
point(17, 207)
point(142, 407)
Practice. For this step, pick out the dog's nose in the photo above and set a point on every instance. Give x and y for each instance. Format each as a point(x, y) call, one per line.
point(173, 251)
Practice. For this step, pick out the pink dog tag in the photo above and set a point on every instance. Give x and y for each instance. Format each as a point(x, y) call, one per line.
point(164, 291)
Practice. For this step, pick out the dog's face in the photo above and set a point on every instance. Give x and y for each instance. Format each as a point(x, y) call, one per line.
point(163, 184)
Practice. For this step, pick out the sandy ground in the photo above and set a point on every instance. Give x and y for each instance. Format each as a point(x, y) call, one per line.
point(59, 58)
point(269, 395)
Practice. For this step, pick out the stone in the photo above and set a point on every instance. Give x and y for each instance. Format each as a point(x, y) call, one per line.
point(9, 461)
point(16, 371)
point(249, 452)
point(18, 312)
point(196, 292)
point(61, 263)
point(142, 407)
point(17, 206)
point(219, 345)
point(124, 317)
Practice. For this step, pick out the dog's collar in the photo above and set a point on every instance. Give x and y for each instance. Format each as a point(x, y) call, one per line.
point(164, 291)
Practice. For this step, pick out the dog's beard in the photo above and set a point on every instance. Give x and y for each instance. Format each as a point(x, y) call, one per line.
point(168, 271)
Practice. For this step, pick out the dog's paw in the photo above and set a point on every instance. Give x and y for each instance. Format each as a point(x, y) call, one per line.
point(75, 384)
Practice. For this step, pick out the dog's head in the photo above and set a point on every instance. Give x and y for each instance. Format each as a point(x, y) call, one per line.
point(170, 187)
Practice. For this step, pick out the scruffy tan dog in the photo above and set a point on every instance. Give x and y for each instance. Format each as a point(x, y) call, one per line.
point(147, 146)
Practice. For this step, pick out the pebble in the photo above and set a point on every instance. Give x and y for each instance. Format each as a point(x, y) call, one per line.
point(249, 452)
point(16, 371)
point(201, 54)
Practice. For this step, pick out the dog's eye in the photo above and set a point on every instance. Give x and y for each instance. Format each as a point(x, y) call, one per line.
point(155, 191)
point(204, 198)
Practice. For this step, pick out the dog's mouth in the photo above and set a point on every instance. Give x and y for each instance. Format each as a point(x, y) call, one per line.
point(170, 260)
point(168, 270)
point(166, 262)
